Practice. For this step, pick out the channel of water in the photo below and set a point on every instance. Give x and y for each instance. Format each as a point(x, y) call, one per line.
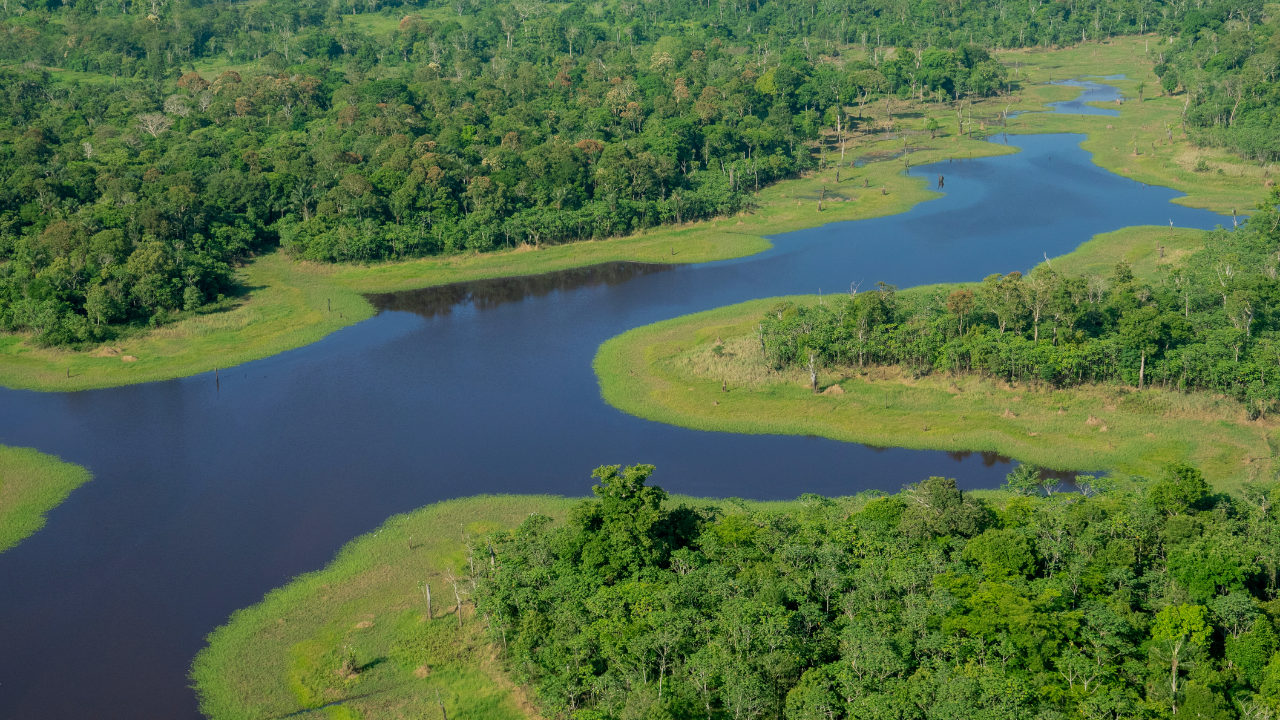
point(206, 497)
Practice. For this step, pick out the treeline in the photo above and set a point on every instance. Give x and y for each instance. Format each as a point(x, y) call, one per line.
point(1211, 322)
point(1224, 62)
point(931, 604)
point(343, 134)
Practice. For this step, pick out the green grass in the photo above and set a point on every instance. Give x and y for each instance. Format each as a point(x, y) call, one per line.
point(287, 303)
point(1142, 126)
point(667, 372)
point(279, 656)
point(32, 484)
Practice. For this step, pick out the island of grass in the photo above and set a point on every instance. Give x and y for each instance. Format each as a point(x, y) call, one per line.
point(707, 371)
point(31, 484)
point(286, 304)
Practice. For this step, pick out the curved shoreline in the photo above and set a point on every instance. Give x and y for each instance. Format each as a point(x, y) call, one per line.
point(290, 305)
point(31, 484)
point(666, 372)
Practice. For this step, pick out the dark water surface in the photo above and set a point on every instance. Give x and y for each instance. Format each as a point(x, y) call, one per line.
point(206, 498)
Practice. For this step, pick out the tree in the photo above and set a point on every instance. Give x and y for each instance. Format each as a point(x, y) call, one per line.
point(1001, 553)
point(960, 303)
point(1177, 630)
point(1042, 286)
point(1141, 332)
point(154, 123)
point(1023, 480)
point(1181, 490)
point(1003, 297)
point(625, 529)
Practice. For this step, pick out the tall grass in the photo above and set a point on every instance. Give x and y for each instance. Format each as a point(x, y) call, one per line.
point(32, 484)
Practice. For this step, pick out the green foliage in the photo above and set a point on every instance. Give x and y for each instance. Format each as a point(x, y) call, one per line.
point(1181, 489)
point(145, 152)
point(1210, 323)
point(926, 604)
point(1178, 624)
point(1001, 553)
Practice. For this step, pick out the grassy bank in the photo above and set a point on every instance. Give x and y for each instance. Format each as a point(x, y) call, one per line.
point(281, 656)
point(1146, 141)
point(32, 484)
point(287, 305)
point(669, 372)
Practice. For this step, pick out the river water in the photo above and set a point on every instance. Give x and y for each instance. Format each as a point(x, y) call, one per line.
point(206, 497)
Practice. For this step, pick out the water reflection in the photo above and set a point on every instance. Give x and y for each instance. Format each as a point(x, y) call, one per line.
point(1093, 92)
point(207, 496)
point(489, 294)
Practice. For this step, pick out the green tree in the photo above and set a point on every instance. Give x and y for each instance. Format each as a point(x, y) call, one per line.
point(1177, 631)
point(1181, 490)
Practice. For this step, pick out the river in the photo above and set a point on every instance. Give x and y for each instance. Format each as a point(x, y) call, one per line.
point(206, 496)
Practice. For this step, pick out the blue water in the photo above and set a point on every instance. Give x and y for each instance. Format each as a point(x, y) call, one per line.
point(205, 497)
point(1093, 92)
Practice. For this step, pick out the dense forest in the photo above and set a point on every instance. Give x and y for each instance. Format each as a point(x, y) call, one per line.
point(147, 148)
point(1154, 602)
point(1211, 322)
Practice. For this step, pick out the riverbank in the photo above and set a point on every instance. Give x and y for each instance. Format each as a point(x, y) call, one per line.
point(280, 656)
point(31, 484)
point(670, 372)
point(1145, 142)
point(288, 305)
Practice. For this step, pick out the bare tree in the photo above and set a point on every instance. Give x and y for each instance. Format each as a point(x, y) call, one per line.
point(176, 105)
point(154, 123)
point(1042, 283)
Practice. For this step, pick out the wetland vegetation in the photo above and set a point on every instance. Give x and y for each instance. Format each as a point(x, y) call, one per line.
point(158, 208)
point(31, 484)
point(1143, 599)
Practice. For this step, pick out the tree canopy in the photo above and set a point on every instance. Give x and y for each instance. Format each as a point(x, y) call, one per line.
point(1207, 322)
point(146, 149)
point(928, 604)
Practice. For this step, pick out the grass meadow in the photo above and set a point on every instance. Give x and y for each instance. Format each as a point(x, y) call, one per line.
point(31, 484)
